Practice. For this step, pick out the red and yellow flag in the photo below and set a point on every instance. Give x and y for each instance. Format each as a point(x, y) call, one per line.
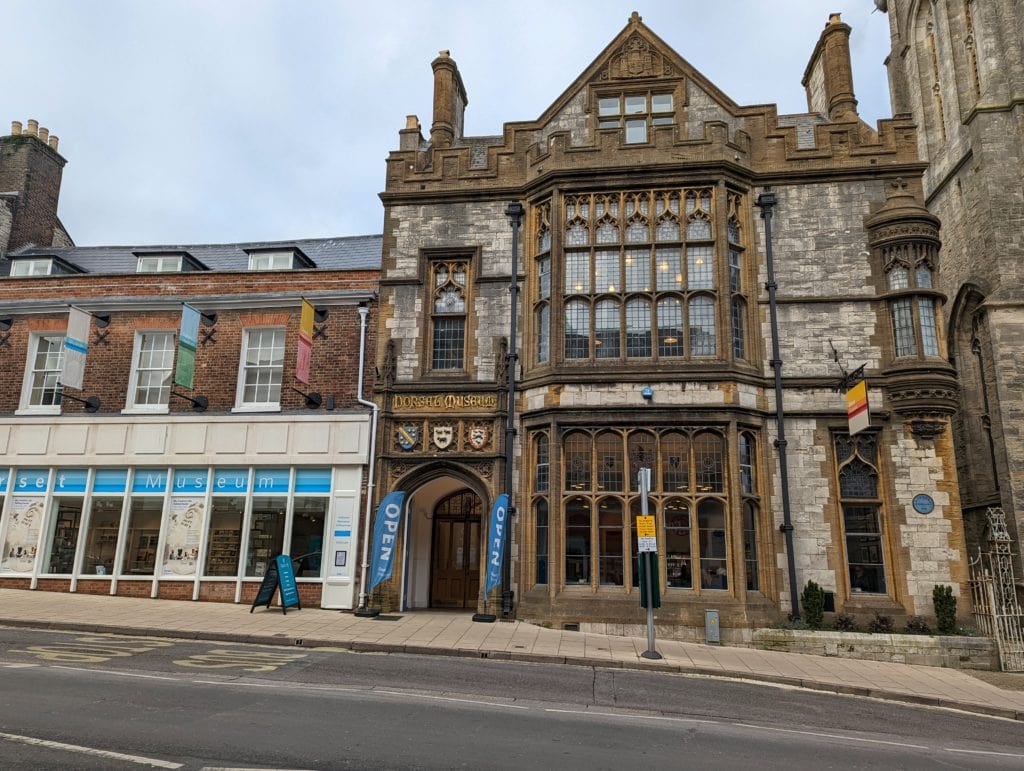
point(305, 351)
point(857, 411)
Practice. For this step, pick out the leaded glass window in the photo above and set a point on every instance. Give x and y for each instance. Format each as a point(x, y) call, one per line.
point(862, 512)
point(451, 284)
point(618, 292)
point(702, 326)
point(689, 498)
point(903, 325)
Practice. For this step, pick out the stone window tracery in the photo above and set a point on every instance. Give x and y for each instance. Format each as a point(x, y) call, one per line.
point(629, 294)
point(689, 498)
point(909, 268)
point(861, 506)
point(450, 282)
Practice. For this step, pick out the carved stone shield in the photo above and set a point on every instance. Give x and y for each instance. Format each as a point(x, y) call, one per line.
point(443, 436)
point(408, 436)
point(478, 436)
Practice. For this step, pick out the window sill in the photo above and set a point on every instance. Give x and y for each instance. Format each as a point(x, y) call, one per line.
point(162, 410)
point(257, 408)
point(38, 411)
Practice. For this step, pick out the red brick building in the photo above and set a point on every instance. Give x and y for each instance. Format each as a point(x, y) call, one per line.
point(135, 485)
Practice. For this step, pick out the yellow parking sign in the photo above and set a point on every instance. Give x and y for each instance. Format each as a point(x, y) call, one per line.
point(646, 534)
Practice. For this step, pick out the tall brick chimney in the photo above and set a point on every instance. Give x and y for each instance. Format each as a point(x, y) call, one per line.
point(30, 175)
point(449, 101)
point(829, 74)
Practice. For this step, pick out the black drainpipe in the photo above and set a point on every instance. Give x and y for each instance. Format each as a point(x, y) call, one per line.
point(766, 202)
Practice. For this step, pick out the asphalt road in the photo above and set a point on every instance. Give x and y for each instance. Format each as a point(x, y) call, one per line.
point(71, 700)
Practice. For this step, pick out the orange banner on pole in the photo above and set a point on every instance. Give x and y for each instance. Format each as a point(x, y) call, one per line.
point(305, 351)
point(857, 410)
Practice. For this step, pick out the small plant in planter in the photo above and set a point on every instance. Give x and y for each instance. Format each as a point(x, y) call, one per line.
point(917, 625)
point(882, 624)
point(845, 623)
point(945, 608)
point(812, 599)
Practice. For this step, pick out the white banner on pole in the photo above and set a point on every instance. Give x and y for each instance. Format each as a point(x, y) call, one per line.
point(76, 347)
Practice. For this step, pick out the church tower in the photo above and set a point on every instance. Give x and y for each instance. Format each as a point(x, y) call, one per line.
point(957, 66)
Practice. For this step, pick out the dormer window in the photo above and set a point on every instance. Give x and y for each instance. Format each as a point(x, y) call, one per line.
point(636, 112)
point(278, 259)
point(41, 266)
point(167, 262)
point(272, 261)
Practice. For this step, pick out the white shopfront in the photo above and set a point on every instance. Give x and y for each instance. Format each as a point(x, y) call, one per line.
point(201, 503)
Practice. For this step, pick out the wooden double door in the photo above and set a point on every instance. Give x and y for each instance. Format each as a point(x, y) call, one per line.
point(455, 560)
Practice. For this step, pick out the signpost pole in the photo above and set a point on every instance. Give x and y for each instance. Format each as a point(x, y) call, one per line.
point(645, 555)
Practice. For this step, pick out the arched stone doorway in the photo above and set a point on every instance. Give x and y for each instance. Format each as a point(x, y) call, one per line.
point(445, 543)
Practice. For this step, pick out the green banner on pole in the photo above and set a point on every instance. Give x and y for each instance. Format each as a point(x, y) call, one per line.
point(185, 370)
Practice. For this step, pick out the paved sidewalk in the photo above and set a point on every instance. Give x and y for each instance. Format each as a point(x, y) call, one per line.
point(451, 634)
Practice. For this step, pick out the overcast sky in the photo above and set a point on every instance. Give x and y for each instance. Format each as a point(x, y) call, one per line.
point(208, 121)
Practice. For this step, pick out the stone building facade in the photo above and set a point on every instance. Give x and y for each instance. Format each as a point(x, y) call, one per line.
point(644, 340)
point(958, 69)
point(138, 484)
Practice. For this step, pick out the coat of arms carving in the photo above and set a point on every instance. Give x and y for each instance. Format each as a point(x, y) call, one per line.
point(407, 436)
point(478, 436)
point(443, 436)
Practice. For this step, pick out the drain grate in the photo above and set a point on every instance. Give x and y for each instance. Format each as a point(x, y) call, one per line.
point(386, 618)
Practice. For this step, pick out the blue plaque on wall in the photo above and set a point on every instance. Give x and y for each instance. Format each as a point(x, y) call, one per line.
point(923, 504)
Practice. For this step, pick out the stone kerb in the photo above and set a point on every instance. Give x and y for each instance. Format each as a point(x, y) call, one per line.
point(954, 652)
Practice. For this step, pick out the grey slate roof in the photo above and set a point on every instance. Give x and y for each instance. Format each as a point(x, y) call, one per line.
point(343, 253)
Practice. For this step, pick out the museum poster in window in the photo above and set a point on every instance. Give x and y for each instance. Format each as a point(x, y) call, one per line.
point(183, 529)
point(26, 517)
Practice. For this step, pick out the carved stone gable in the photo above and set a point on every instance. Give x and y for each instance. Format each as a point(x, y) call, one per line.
point(637, 59)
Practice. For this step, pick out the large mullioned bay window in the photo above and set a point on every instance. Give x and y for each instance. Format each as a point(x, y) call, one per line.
point(689, 499)
point(639, 277)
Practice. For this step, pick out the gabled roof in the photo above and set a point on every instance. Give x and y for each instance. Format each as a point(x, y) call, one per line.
point(637, 53)
point(345, 253)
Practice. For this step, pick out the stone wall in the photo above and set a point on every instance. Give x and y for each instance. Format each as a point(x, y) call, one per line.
point(952, 652)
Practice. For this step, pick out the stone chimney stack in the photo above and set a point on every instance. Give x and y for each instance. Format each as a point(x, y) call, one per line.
point(829, 75)
point(30, 176)
point(449, 101)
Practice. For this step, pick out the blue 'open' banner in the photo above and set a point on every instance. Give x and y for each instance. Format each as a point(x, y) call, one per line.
point(385, 534)
point(496, 542)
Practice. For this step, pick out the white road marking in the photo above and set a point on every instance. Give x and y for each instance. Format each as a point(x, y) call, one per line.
point(110, 672)
point(987, 752)
point(138, 759)
point(19, 666)
point(450, 698)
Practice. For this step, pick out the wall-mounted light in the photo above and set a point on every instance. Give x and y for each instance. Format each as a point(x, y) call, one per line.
point(6, 323)
point(102, 320)
point(320, 315)
point(208, 319)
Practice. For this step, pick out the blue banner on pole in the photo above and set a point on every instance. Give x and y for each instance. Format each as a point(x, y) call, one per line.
point(496, 542)
point(385, 534)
